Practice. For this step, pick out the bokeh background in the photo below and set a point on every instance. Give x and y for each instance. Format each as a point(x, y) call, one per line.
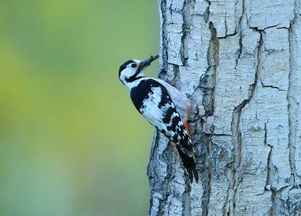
point(71, 142)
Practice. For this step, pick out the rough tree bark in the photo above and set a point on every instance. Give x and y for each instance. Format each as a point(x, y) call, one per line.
point(239, 61)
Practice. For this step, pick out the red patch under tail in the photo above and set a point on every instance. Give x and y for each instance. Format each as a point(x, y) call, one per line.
point(186, 125)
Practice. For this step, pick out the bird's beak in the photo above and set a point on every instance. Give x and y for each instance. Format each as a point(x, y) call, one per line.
point(144, 63)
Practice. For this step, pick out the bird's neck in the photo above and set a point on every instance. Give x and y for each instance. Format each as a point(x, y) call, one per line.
point(135, 82)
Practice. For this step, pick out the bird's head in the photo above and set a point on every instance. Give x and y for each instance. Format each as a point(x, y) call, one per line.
point(132, 70)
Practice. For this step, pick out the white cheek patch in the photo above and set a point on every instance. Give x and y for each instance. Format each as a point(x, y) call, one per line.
point(128, 72)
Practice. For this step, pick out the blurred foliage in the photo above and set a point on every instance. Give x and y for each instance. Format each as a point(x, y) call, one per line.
point(71, 142)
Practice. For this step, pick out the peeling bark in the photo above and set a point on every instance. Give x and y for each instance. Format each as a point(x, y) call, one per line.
point(239, 61)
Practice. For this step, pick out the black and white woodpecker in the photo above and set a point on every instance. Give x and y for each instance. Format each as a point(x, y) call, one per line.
point(163, 106)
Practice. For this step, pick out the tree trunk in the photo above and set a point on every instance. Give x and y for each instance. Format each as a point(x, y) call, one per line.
point(240, 64)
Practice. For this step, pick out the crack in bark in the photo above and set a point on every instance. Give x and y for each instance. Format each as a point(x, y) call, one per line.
point(265, 28)
point(208, 81)
point(235, 128)
point(268, 185)
point(227, 36)
point(269, 161)
point(292, 104)
point(185, 30)
point(222, 134)
point(164, 40)
point(207, 179)
point(176, 74)
point(239, 51)
point(271, 86)
point(207, 12)
point(274, 201)
point(226, 24)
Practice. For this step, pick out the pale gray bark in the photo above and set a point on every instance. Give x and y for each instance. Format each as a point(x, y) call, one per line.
point(240, 63)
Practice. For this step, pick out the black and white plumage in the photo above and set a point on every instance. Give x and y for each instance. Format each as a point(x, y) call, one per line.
point(163, 106)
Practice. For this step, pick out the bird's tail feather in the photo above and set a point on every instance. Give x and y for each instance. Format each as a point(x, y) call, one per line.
point(189, 164)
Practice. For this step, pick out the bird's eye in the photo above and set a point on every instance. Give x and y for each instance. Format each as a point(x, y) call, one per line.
point(133, 65)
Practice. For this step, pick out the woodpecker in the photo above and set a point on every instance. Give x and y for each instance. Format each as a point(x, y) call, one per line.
point(163, 106)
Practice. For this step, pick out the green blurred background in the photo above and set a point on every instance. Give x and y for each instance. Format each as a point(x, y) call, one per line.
point(71, 142)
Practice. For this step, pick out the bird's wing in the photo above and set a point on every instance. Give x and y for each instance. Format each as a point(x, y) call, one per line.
point(154, 102)
point(181, 102)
